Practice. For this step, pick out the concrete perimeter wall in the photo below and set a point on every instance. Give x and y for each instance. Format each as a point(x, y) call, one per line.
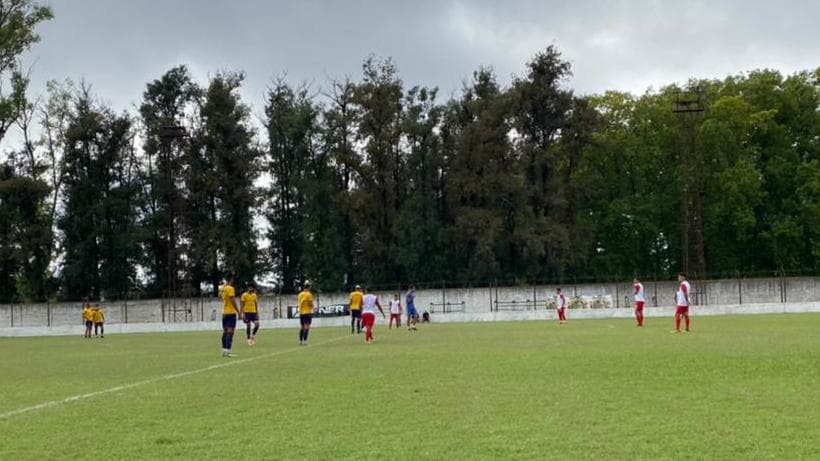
point(473, 303)
point(505, 316)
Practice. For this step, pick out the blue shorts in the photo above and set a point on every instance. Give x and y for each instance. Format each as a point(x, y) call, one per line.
point(411, 310)
point(251, 317)
point(229, 321)
point(305, 319)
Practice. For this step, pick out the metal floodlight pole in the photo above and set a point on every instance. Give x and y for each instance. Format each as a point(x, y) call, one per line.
point(168, 135)
point(688, 107)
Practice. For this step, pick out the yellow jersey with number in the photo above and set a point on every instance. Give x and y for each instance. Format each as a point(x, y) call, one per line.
point(228, 294)
point(305, 302)
point(249, 303)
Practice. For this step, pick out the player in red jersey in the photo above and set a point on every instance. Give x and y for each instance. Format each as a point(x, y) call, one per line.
point(682, 301)
point(639, 301)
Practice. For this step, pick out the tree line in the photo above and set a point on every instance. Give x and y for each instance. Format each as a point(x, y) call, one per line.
point(380, 182)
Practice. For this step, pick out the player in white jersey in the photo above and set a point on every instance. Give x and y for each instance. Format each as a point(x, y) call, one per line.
point(637, 288)
point(561, 306)
point(682, 302)
point(395, 311)
point(369, 305)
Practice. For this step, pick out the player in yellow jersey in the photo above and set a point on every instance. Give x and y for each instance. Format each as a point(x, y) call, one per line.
point(305, 303)
point(88, 319)
point(250, 311)
point(230, 311)
point(99, 319)
point(356, 309)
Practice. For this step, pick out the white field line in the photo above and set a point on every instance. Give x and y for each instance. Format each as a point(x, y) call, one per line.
point(124, 387)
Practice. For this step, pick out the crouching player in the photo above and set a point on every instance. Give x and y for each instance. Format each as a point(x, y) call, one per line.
point(250, 312)
point(370, 304)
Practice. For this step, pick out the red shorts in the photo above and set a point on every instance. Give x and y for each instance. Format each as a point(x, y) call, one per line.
point(368, 319)
point(682, 310)
point(639, 305)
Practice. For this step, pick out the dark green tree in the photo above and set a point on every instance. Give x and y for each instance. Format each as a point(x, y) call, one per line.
point(229, 163)
point(18, 19)
point(379, 197)
point(98, 222)
point(291, 124)
point(168, 104)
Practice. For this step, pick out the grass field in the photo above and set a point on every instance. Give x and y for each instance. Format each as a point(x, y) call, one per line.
point(735, 388)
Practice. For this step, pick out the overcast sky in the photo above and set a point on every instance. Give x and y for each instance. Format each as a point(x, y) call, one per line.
point(119, 45)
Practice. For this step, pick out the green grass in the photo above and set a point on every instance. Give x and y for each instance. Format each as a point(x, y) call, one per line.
point(735, 388)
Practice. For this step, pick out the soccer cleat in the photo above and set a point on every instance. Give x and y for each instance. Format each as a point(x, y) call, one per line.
point(675, 331)
point(250, 342)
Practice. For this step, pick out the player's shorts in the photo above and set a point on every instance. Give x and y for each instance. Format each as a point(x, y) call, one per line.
point(228, 320)
point(305, 319)
point(368, 319)
point(682, 310)
point(356, 313)
point(88, 323)
point(98, 323)
point(411, 310)
point(639, 305)
point(251, 317)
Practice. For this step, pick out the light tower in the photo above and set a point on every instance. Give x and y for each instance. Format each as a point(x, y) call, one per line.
point(689, 107)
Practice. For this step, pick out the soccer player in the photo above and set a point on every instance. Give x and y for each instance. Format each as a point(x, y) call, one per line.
point(99, 320)
point(250, 312)
point(637, 288)
point(412, 313)
point(561, 306)
point(305, 303)
point(370, 304)
point(356, 309)
point(395, 311)
point(682, 301)
point(88, 318)
point(230, 311)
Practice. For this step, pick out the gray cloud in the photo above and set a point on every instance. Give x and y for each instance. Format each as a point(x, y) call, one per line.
point(118, 46)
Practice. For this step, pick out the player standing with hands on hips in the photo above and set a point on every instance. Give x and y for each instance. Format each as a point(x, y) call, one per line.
point(682, 302)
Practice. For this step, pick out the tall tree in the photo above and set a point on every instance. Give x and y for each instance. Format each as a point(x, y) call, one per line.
point(98, 223)
point(422, 233)
point(541, 108)
point(25, 237)
point(484, 185)
point(338, 138)
point(290, 120)
point(226, 145)
point(18, 19)
point(168, 105)
point(378, 100)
